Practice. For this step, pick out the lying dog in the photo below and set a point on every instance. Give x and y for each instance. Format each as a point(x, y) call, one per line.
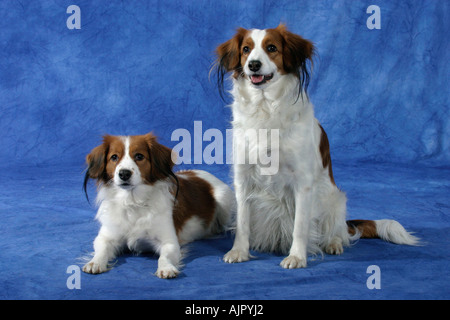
point(299, 209)
point(145, 206)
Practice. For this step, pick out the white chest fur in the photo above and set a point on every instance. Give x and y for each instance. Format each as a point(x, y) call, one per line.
point(270, 197)
point(140, 217)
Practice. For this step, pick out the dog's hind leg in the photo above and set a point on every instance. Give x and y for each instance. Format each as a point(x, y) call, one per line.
point(333, 227)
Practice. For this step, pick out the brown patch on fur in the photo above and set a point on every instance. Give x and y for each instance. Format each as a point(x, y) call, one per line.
point(195, 197)
point(160, 157)
point(367, 228)
point(229, 53)
point(324, 148)
point(275, 38)
point(98, 159)
point(95, 161)
point(140, 150)
point(116, 148)
point(246, 42)
point(296, 49)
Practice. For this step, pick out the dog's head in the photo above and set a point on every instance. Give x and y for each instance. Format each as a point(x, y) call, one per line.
point(129, 161)
point(263, 56)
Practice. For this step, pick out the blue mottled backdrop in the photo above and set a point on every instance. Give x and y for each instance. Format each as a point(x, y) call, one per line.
point(138, 66)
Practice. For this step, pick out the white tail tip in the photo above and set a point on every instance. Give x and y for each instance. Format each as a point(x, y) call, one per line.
point(392, 231)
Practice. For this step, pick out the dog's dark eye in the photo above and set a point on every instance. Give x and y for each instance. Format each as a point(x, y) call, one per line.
point(139, 157)
point(271, 48)
point(245, 49)
point(114, 157)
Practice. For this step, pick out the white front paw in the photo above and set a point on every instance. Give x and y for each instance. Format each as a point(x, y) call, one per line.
point(95, 267)
point(293, 262)
point(236, 255)
point(334, 248)
point(167, 272)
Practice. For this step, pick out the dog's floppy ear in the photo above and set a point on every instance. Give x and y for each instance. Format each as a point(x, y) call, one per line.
point(96, 163)
point(160, 160)
point(228, 53)
point(296, 53)
point(229, 58)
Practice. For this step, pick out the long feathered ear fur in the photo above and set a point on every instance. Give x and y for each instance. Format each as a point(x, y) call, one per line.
point(229, 59)
point(96, 164)
point(297, 52)
point(160, 160)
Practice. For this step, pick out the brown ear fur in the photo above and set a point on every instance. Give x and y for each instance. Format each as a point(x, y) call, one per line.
point(228, 53)
point(229, 58)
point(160, 159)
point(296, 53)
point(96, 162)
point(299, 50)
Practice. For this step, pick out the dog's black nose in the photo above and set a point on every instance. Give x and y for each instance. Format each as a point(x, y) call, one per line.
point(254, 65)
point(125, 174)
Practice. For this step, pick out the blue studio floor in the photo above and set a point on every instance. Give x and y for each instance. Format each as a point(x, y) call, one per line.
point(48, 225)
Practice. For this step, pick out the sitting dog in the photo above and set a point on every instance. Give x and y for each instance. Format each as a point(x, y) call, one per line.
point(299, 209)
point(144, 206)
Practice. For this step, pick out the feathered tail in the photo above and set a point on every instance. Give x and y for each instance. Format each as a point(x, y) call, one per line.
point(388, 230)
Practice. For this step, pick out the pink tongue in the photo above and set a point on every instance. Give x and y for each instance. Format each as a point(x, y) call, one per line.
point(257, 78)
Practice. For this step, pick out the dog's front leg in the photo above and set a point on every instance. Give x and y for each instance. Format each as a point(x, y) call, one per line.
point(169, 259)
point(298, 253)
point(240, 250)
point(105, 249)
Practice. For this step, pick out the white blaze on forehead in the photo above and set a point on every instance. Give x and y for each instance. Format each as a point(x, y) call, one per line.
point(128, 163)
point(257, 37)
point(126, 155)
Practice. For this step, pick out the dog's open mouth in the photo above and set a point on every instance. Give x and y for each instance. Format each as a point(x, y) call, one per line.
point(258, 79)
